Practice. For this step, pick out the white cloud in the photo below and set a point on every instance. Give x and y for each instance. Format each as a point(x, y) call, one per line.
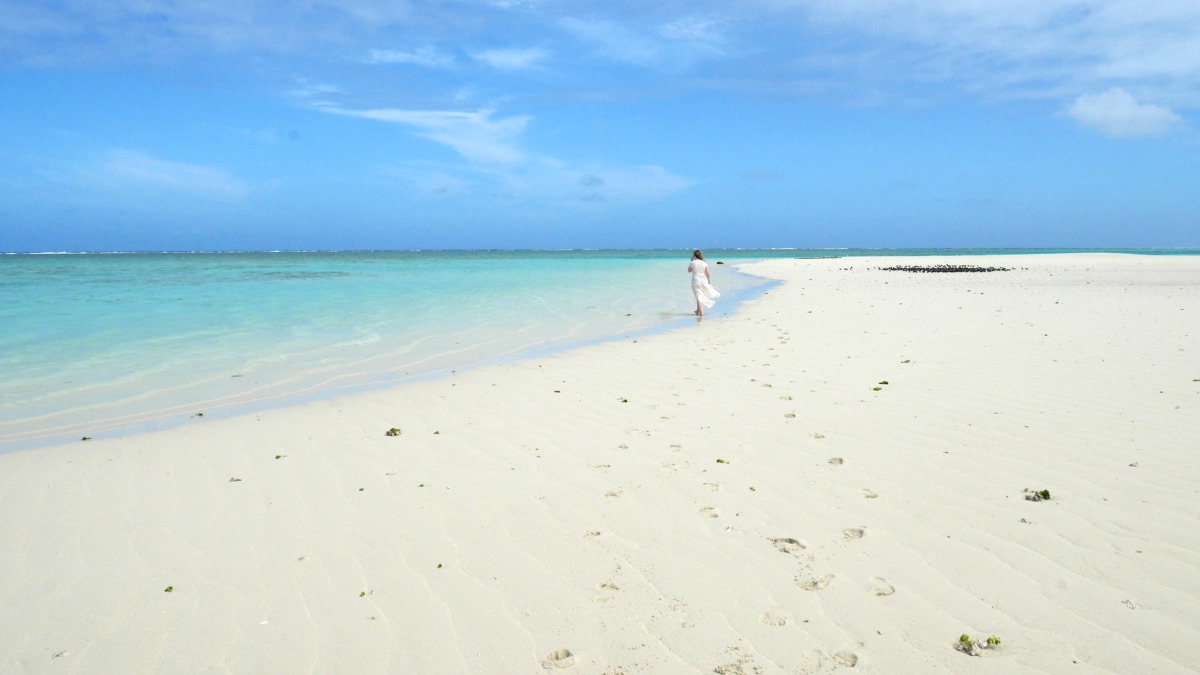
point(510, 4)
point(626, 184)
point(615, 41)
point(427, 56)
point(1058, 48)
point(1022, 47)
point(541, 181)
point(496, 164)
point(309, 91)
point(678, 43)
point(474, 135)
point(511, 59)
point(1117, 113)
point(702, 34)
point(427, 179)
point(122, 168)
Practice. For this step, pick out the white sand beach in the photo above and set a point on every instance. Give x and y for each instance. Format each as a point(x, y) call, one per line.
point(829, 480)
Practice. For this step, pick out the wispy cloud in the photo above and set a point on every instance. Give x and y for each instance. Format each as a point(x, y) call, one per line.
point(312, 91)
point(1056, 49)
point(614, 40)
point(544, 181)
point(622, 184)
point(703, 34)
point(496, 164)
point(473, 134)
point(677, 43)
point(511, 59)
point(1117, 113)
point(428, 179)
point(428, 56)
point(122, 168)
point(1026, 47)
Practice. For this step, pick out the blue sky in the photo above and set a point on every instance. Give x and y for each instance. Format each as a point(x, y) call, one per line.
point(187, 124)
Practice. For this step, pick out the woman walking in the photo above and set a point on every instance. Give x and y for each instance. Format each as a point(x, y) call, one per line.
point(701, 282)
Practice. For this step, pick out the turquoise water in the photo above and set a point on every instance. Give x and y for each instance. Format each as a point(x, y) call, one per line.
point(94, 344)
point(99, 344)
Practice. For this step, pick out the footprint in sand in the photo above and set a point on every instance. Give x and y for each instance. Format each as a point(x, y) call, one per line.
point(817, 584)
point(880, 587)
point(789, 415)
point(815, 661)
point(811, 664)
point(785, 398)
point(591, 533)
point(836, 461)
point(607, 591)
point(853, 533)
point(612, 493)
point(773, 618)
point(846, 659)
point(709, 511)
point(712, 487)
point(787, 545)
point(869, 494)
point(559, 658)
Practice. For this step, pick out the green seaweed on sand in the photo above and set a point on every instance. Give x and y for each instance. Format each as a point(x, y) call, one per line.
point(1036, 495)
point(876, 388)
point(721, 461)
point(883, 382)
point(393, 432)
point(972, 647)
point(169, 589)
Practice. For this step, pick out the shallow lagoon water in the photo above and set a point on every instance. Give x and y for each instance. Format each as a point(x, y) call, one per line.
point(104, 343)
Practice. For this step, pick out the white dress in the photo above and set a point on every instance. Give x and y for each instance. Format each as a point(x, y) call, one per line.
point(705, 293)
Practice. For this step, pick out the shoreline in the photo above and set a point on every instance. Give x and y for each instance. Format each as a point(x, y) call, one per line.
point(178, 415)
point(670, 503)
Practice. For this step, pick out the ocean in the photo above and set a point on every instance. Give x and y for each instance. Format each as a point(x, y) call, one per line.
point(107, 344)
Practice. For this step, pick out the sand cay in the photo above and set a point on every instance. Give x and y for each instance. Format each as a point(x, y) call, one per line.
point(833, 479)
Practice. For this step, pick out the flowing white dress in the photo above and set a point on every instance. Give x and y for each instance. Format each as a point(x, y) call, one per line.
point(704, 292)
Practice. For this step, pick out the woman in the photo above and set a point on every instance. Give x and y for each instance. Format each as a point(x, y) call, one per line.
point(701, 283)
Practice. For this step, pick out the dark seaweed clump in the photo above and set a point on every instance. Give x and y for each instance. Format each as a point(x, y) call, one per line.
point(944, 268)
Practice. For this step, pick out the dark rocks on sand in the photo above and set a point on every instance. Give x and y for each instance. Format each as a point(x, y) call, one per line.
point(944, 268)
